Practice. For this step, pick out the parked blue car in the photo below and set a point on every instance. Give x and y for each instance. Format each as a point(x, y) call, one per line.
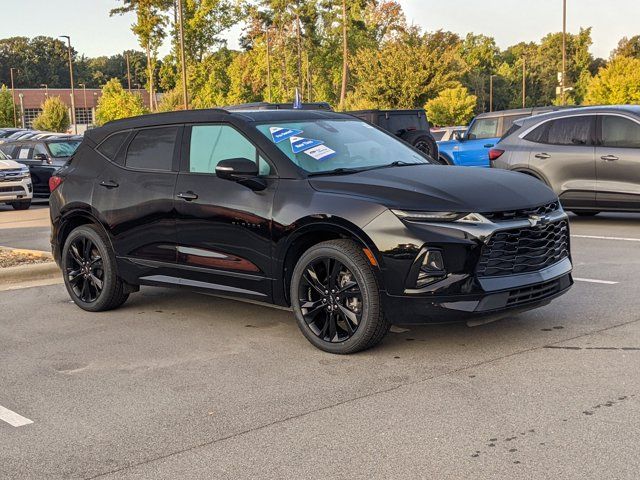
point(471, 149)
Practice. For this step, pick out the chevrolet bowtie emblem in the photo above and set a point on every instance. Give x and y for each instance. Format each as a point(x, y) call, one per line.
point(538, 219)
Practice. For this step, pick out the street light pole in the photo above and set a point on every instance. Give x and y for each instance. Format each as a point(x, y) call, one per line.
point(491, 93)
point(73, 100)
point(524, 82)
point(268, 65)
point(13, 95)
point(564, 50)
point(185, 94)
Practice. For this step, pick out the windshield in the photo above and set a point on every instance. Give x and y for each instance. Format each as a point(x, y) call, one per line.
point(63, 149)
point(319, 146)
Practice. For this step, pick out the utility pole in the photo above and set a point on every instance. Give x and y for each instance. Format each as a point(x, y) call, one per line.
point(564, 51)
point(126, 54)
point(491, 93)
point(185, 94)
point(345, 53)
point(268, 65)
point(73, 100)
point(524, 82)
point(13, 95)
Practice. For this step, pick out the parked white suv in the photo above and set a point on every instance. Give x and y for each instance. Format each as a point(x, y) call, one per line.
point(15, 184)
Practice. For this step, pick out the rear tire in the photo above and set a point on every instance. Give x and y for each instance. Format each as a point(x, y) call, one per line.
point(336, 298)
point(89, 270)
point(426, 144)
point(21, 205)
point(584, 213)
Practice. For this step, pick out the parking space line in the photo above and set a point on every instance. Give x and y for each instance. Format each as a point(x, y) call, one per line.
point(598, 237)
point(12, 418)
point(591, 280)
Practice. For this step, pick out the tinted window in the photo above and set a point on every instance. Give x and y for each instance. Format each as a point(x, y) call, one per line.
point(212, 143)
point(438, 135)
point(484, 128)
point(395, 123)
point(109, 148)
point(152, 149)
point(620, 132)
point(569, 131)
point(512, 129)
point(39, 149)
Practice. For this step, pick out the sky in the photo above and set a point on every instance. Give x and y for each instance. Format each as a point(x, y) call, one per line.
point(94, 33)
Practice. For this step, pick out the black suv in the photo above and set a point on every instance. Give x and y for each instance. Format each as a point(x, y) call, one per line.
point(316, 210)
point(411, 126)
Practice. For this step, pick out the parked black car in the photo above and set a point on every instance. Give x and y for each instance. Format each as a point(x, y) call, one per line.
point(411, 126)
point(316, 210)
point(43, 157)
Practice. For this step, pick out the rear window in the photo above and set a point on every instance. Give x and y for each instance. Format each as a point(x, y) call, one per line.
point(63, 149)
point(109, 147)
point(438, 135)
point(152, 149)
point(512, 129)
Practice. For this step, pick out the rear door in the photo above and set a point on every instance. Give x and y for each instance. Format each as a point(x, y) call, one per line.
point(473, 150)
point(618, 162)
point(224, 228)
point(134, 194)
point(563, 154)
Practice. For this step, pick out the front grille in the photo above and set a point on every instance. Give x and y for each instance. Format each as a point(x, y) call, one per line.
point(522, 214)
point(531, 294)
point(16, 190)
point(10, 175)
point(524, 250)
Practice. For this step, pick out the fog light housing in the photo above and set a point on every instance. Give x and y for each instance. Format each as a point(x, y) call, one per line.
point(432, 268)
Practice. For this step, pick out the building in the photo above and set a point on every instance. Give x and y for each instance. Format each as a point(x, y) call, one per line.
point(29, 102)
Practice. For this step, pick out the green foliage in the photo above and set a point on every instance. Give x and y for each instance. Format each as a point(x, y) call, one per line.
point(116, 102)
point(6, 107)
point(628, 47)
point(452, 106)
point(616, 84)
point(171, 101)
point(54, 116)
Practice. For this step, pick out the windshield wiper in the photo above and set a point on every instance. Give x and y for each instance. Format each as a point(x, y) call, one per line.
point(337, 171)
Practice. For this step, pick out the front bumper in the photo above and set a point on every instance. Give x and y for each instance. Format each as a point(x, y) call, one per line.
point(16, 190)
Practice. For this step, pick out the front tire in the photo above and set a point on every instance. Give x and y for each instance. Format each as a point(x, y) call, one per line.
point(336, 298)
point(89, 270)
point(21, 205)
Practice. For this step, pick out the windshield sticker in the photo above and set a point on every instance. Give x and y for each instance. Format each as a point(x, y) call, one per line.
point(279, 134)
point(299, 144)
point(320, 153)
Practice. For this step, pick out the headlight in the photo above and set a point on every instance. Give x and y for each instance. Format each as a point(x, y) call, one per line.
point(24, 173)
point(439, 216)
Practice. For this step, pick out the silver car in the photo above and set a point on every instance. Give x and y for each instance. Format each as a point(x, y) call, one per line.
point(590, 156)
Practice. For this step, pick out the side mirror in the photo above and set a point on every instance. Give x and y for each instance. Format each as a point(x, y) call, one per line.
point(458, 135)
point(242, 171)
point(41, 156)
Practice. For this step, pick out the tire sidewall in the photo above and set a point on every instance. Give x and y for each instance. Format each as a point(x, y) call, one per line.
point(108, 263)
point(370, 300)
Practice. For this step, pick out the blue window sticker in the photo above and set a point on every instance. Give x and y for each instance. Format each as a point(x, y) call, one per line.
point(300, 144)
point(320, 153)
point(279, 134)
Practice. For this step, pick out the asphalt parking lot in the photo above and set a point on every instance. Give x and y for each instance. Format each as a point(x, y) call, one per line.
point(179, 385)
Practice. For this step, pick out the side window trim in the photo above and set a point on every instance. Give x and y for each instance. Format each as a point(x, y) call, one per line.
point(185, 151)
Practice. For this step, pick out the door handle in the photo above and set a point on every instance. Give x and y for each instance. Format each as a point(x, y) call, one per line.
point(488, 145)
point(542, 156)
point(109, 184)
point(609, 158)
point(188, 196)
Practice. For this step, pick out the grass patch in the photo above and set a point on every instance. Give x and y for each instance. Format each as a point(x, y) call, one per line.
point(9, 258)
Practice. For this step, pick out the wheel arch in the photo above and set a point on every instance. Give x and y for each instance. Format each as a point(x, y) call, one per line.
point(75, 218)
point(312, 231)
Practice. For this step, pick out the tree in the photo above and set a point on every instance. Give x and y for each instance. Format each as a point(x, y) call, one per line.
point(151, 18)
point(617, 83)
point(116, 103)
point(6, 107)
point(628, 47)
point(452, 106)
point(54, 116)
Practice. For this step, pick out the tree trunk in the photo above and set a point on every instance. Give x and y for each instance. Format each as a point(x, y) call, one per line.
point(298, 40)
point(150, 69)
point(345, 55)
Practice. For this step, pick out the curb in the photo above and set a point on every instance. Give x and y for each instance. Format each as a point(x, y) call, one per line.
point(35, 253)
point(35, 271)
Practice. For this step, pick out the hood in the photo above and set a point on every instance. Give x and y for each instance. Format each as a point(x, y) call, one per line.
point(9, 165)
point(441, 188)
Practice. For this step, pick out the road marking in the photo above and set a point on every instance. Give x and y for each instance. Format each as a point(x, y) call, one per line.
point(597, 237)
point(591, 280)
point(12, 418)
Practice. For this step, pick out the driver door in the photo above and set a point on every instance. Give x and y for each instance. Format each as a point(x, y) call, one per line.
point(473, 150)
point(224, 228)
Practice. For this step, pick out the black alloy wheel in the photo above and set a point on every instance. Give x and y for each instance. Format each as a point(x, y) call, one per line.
point(84, 269)
point(336, 298)
point(330, 300)
point(89, 270)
